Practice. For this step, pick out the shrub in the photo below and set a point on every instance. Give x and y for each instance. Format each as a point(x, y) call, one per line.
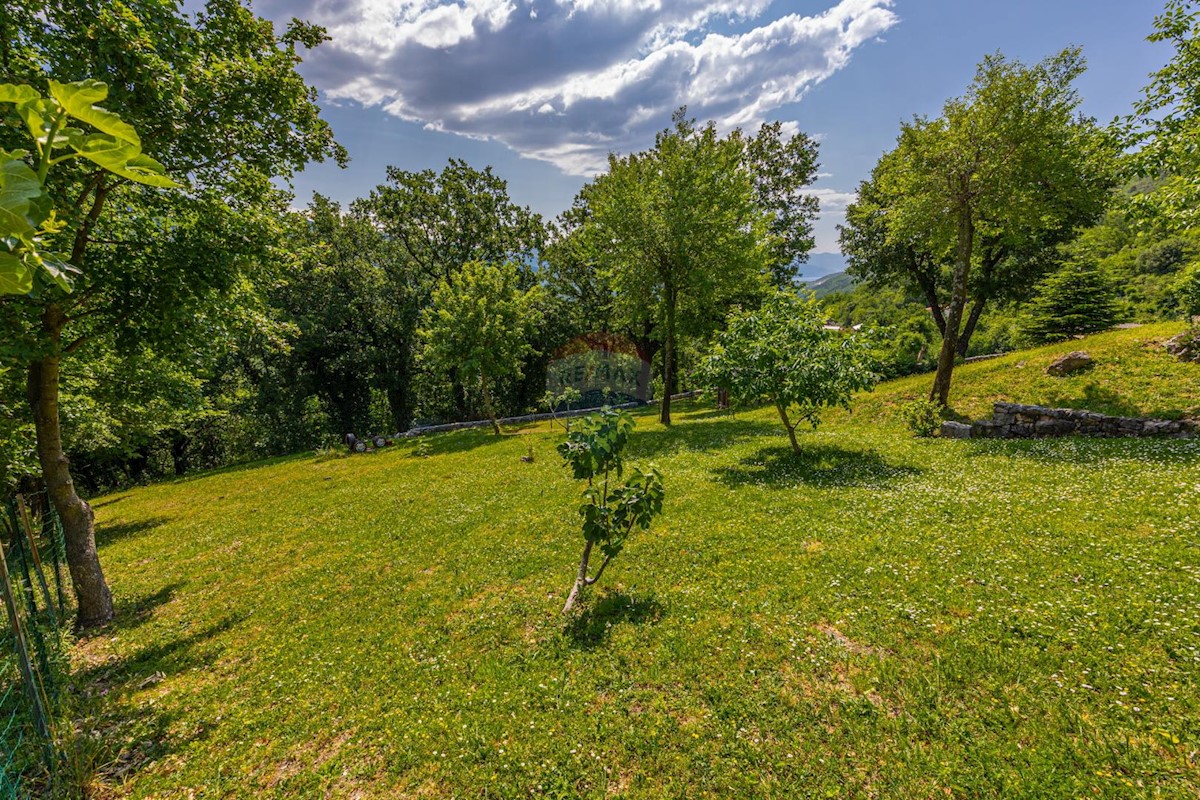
point(1186, 289)
point(922, 416)
point(610, 510)
point(1075, 300)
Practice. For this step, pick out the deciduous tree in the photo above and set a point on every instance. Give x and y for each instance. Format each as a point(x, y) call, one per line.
point(479, 324)
point(1165, 124)
point(613, 506)
point(216, 99)
point(781, 353)
point(1008, 171)
point(680, 231)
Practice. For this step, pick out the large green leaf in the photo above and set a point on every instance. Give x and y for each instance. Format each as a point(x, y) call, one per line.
point(124, 159)
point(37, 114)
point(60, 270)
point(144, 169)
point(78, 99)
point(15, 277)
point(19, 188)
point(12, 93)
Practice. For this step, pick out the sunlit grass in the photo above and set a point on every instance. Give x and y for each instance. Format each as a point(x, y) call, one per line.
point(882, 616)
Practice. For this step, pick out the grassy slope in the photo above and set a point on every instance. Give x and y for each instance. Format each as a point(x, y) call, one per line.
point(1133, 376)
point(883, 616)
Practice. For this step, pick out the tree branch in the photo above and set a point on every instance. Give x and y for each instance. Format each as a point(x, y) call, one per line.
point(596, 577)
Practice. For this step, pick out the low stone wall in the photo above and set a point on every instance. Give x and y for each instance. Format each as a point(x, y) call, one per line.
point(1015, 421)
point(525, 418)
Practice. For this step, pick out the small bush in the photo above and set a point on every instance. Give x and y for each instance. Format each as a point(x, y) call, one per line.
point(922, 416)
point(610, 511)
point(1186, 289)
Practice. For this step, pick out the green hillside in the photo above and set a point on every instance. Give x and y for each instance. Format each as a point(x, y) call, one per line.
point(830, 284)
point(880, 617)
point(1133, 376)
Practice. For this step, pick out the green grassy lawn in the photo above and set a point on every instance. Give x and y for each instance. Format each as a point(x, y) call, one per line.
point(880, 617)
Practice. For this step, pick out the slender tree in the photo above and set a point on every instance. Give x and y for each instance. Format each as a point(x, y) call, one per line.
point(679, 230)
point(479, 325)
point(783, 168)
point(782, 354)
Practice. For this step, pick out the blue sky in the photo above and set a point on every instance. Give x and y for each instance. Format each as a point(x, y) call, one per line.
point(543, 89)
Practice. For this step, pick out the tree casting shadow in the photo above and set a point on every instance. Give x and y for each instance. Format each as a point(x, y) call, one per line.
point(591, 626)
point(107, 534)
point(651, 439)
point(137, 733)
point(821, 465)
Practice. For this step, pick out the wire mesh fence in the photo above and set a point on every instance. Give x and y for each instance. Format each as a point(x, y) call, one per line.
point(33, 665)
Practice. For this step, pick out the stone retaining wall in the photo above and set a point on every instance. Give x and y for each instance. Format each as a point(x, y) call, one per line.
point(1015, 421)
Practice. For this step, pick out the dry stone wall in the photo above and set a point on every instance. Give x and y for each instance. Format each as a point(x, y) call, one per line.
point(1016, 421)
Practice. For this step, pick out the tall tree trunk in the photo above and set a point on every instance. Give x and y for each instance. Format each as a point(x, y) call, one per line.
point(674, 387)
point(668, 358)
point(91, 591)
point(647, 346)
point(400, 408)
point(964, 338)
point(940, 393)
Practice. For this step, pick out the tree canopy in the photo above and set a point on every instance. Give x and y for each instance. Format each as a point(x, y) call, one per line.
point(971, 202)
point(680, 232)
point(216, 100)
point(782, 353)
point(480, 324)
point(1165, 123)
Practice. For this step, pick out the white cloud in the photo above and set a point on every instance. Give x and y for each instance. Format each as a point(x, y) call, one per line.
point(832, 199)
point(568, 81)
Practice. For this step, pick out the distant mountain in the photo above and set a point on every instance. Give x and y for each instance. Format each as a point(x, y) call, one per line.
point(829, 284)
point(821, 264)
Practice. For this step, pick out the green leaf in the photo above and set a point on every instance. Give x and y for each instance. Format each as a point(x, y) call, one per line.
point(36, 114)
point(19, 188)
point(15, 277)
point(124, 159)
point(61, 271)
point(78, 99)
point(150, 172)
point(13, 93)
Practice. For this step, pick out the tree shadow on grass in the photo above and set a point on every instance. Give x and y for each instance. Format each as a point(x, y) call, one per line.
point(108, 501)
point(1100, 400)
point(107, 534)
point(245, 466)
point(652, 440)
point(1086, 450)
point(590, 627)
point(132, 612)
point(820, 465)
point(463, 440)
point(137, 733)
